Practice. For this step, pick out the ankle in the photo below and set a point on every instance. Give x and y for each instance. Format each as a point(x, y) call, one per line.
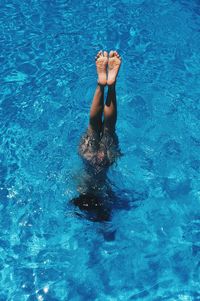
point(112, 86)
point(101, 86)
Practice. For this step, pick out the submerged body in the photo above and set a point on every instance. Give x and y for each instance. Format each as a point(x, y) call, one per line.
point(99, 146)
point(99, 152)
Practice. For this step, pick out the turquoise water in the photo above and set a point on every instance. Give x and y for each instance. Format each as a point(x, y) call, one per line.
point(150, 248)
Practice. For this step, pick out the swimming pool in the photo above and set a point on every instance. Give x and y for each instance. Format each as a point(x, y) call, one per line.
point(150, 249)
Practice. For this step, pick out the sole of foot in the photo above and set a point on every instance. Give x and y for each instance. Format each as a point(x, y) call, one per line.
point(114, 63)
point(101, 64)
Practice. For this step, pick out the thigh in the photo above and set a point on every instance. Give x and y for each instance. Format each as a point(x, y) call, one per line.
point(109, 144)
point(89, 144)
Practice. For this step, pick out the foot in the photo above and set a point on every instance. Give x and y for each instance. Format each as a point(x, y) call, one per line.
point(114, 63)
point(101, 64)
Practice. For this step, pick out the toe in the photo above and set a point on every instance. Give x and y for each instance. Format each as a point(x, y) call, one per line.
point(99, 54)
point(116, 53)
point(111, 54)
point(105, 53)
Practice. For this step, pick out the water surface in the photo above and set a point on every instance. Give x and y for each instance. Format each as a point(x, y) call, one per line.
point(149, 251)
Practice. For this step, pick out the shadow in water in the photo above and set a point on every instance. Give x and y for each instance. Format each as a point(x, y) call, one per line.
point(92, 207)
point(99, 208)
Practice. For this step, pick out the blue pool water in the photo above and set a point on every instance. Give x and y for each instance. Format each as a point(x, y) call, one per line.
point(150, 249)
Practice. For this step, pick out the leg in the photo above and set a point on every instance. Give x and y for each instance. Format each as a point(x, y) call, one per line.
point(96, 110)
point(108, 149)
point(89, 142)
point(110, 108)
